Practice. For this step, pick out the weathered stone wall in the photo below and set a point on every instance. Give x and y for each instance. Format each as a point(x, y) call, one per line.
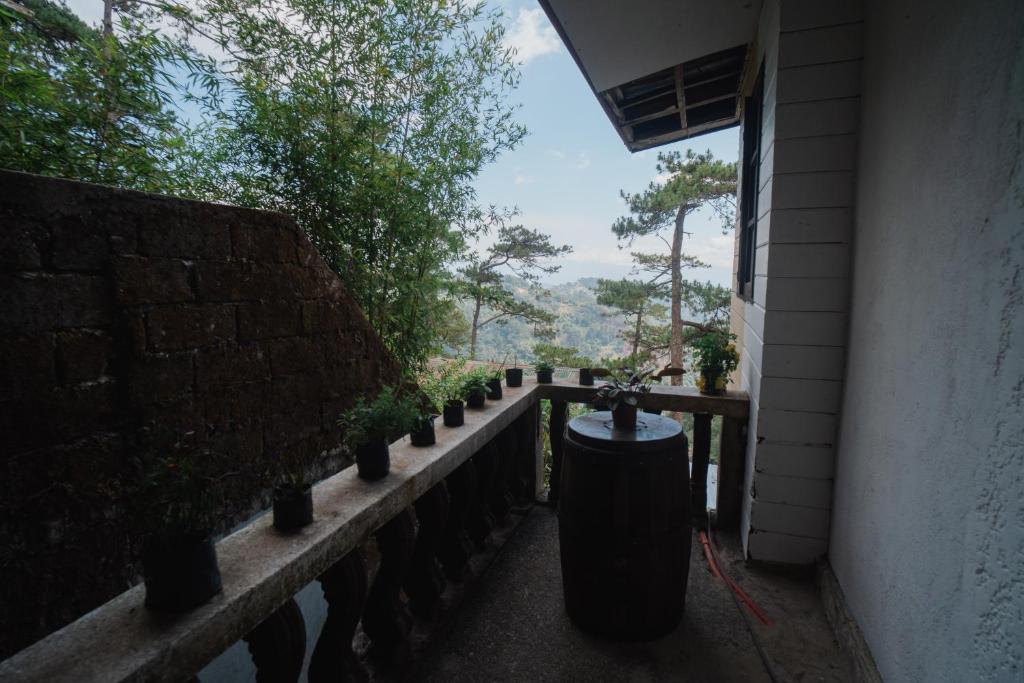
point(134, 324)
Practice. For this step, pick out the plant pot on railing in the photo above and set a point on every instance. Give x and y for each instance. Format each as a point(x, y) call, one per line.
point(716, 357)
point(586, 377)
point(454, 414)
point(545, 373)
point(711, 383)
point(422, 434)
point(475, 399)
point(180, 572)
point(494, 388)
point(514, 377)
point(373, 459)
point(293, 508)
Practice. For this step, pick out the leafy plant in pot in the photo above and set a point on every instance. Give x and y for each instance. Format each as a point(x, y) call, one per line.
point(624, 390)
point(545, 372)
point(422, 430)
point(474, 388)
point(514, 374)
point(442, 384)
point(181, 498)
point(293, 495)
point(716, 357)
point(367, 426)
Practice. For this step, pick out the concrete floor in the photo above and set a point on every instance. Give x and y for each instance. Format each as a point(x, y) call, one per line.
point(512, 626)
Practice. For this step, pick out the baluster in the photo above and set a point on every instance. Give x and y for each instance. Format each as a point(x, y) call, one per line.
point(456, 547)
point(425, 581)
point(481, 521)
point(344, 587)
point(731, 463)
point(699, 468)
point(385, 620)
point(556, 435)
point(278, 645)
point(501, 495)
point(522, 463)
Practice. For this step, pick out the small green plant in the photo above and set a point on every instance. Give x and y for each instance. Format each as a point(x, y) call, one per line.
point(625, 386)
point(716, 357)
point(182, 495)
point(443, 383)
point(387, 414)
point(543, 366)
point(475, 382)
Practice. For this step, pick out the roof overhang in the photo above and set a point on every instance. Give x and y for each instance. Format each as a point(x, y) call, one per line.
point(663, 70)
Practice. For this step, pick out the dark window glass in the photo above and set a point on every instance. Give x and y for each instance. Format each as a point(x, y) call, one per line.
point(751, 183)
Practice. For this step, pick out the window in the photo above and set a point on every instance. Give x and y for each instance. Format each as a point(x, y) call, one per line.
point(749, 189)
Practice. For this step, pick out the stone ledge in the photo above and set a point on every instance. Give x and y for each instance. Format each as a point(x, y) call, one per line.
point(261, 569)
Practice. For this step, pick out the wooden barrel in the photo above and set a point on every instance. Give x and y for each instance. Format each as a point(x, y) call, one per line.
point(624, 525)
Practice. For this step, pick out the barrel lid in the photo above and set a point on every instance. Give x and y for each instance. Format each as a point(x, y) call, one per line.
point(597, 429)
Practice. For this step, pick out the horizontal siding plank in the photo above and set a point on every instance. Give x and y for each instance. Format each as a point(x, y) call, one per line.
point(818, 82)
point(808, 260)
point(790, 519)
point(809, 225)
point(805, 328)
point(821, 45)
point(811, 395)
point(822, 117)
point(776, 548)
point(800, 15)
point(822, 153)
point(812, 493)
point(796, 428)
point(811, 190)
point(807, 294)
point(796, 461)
point(803, 362)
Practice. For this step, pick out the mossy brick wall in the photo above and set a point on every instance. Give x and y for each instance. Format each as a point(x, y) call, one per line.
point(135, 324)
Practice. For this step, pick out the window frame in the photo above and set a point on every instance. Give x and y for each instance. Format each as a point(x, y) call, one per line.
point(753, 119)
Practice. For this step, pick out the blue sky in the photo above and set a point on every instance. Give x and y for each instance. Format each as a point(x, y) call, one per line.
point(566, 176)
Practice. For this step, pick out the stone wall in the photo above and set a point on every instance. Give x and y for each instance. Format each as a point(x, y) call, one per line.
point(135, 325)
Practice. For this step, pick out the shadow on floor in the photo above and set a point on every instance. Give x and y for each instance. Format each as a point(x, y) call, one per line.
point(513, 627)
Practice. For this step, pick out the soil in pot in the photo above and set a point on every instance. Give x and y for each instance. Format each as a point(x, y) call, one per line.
point(514, 377)
point(293, 509)
point(476, 399)
point(454, 414)
point(544, 376)
point(373, 459)
point(494, 389)
point(180, 572)
point(586, 378)
point(424, 436)
point(624, 417)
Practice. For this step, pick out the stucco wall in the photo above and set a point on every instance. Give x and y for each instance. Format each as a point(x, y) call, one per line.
point(927, 534)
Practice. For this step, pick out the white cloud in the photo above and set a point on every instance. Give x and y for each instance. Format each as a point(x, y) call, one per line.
point(557, 153)
point(532, 36)
point(521, 179)
point(583, 160)
point(661, 178)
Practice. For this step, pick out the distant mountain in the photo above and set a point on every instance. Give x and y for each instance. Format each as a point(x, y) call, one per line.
point(582, 323)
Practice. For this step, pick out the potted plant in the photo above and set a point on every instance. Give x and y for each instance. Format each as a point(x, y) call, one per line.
point(442, 385)
point(474, 388)
point(514, 374)
point(367, 426)
point(422, 430)
point(586, 377)
point(179, 559)
point(624, 390)
point(293, 496)
point(716, 357)
point(545, 372)
point(494, 385)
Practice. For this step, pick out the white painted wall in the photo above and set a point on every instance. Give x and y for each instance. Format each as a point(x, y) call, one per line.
point(793, 331)
point(927, 535)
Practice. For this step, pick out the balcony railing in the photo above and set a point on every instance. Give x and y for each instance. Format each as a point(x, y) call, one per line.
point(427, 516)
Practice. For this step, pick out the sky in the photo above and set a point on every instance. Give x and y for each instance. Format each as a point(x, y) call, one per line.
point(565, 177)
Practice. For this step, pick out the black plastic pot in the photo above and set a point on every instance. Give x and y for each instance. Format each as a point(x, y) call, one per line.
point(494, 389)
point(476, 399)
point(292, 509)
point(181, 572)
point(544, 376)
point(624, 417)
point(423, 436)
point(373, 459)
point(514, 377)
point(454, 414)
point(586, 378)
